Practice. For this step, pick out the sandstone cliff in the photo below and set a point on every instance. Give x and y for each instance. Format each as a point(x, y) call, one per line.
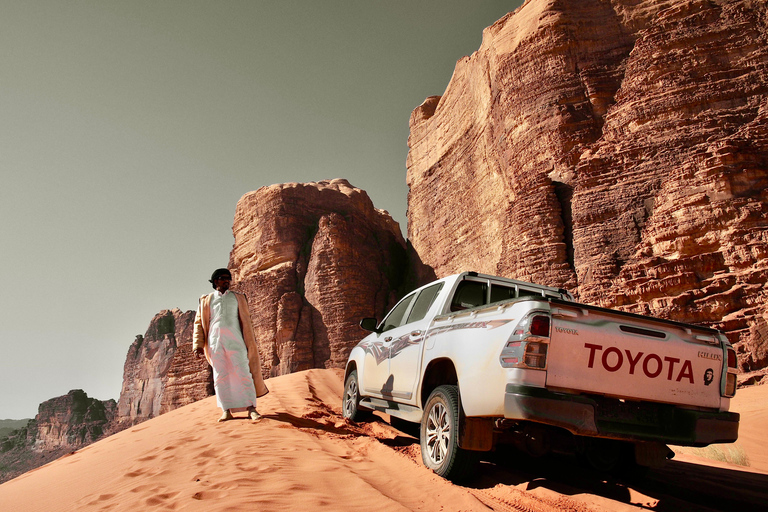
point(72, 421)
point(63, 424)
point(617, 148)
point(313, 259)
point(189, 379)
point(161, 372)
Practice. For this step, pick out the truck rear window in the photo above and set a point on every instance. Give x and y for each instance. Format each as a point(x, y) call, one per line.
point(469, 294)
point(500, 293)
point(529, 293)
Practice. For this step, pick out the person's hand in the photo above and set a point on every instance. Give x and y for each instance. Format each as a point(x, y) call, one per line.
point(199, 352)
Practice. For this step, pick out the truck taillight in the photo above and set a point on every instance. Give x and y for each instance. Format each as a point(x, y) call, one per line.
point(536, 354)
point(527, 345)
point(730, 376)
point(540, 326)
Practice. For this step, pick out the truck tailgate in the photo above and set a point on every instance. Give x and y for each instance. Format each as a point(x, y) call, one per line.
point(595, 350)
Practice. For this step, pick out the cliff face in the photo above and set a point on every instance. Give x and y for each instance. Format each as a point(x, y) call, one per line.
point(72, 421)
point(615, 148)
point(189, 379)
point(313, 259)
point(63, 424)
point(161, 372)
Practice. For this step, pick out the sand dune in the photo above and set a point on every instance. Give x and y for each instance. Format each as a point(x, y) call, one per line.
point(303, 456)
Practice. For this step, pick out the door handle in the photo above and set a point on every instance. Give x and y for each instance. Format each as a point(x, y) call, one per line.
point(416, 333)
point(388, 339)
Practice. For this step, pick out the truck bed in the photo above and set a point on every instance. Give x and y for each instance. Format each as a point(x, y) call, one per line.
point(612, 353)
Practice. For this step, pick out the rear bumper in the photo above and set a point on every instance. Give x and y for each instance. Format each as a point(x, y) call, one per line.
point(597, 416)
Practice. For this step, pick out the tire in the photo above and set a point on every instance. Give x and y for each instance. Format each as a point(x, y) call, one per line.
point(350, 400)
point(439, 436)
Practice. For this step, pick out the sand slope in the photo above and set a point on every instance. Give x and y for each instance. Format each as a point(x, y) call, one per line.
point(303, 456)
point(752, 404)
point(300, 456)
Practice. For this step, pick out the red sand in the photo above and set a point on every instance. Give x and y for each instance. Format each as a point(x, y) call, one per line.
point(303, 456)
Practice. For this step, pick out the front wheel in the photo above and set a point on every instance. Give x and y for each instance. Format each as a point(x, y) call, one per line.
point(350, 402)
point(439, 436)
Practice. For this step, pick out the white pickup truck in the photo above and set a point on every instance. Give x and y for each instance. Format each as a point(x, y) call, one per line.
point(478, 359)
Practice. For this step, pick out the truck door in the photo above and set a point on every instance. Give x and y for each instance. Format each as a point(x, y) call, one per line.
point(408, 342)
point(376, 376)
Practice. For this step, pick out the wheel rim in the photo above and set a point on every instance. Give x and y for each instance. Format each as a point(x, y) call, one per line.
point(438, 434)
point(350, 398)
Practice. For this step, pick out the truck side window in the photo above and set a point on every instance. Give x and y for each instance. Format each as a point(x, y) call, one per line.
point(499, 293)
point(469, 294)
point(424, 302)
point(395, 317)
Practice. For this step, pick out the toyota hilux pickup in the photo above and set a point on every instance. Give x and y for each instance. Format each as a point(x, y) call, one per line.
point(478, 360)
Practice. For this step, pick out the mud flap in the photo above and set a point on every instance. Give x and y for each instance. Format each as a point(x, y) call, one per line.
point(476, 433)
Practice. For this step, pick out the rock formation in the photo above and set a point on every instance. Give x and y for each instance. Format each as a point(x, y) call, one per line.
point(313, 259)
point(161, 372)
point(62, 425)
point(616, 148)
point(189, 379)
point(72, 421)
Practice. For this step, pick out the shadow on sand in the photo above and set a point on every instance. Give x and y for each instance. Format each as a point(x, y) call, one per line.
point(676, 486)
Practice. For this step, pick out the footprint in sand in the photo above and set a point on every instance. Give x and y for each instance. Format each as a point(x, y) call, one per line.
point(208, 454)
point(208, 495)
point(102, 497)
point(159, 498)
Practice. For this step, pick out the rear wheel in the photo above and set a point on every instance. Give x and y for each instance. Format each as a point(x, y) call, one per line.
point(350, 402)
point(439, 436)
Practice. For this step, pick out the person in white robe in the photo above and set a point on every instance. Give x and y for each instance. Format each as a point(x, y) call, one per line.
point(223, 332)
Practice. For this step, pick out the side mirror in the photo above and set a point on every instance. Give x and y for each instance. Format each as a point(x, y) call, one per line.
point(369, 324)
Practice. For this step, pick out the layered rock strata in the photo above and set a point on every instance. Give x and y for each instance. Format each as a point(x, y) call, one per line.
point(189, 379)
point(63, 424)
point(72, 421)
point(161, 372)
point(617, 148)
point(313, 259)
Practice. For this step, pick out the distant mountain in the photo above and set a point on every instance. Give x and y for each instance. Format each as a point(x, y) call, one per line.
point(8, 426)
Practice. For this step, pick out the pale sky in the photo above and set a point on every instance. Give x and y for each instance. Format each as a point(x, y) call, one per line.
point(129, 130)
